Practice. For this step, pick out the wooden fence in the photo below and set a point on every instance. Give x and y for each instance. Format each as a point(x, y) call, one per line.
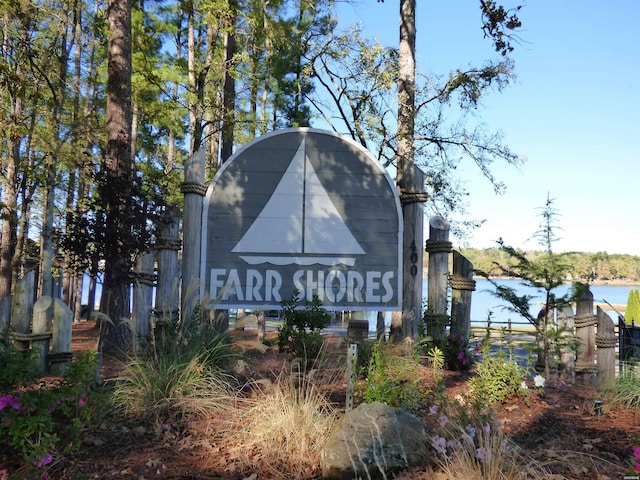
point(594, 362)
point(45, 325)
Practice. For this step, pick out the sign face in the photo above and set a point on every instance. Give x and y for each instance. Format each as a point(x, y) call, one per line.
point(302, 209)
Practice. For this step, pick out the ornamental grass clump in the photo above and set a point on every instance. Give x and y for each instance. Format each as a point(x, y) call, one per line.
point(183, 373)
point(280, 430)
point(626, 388)
point(467, 444)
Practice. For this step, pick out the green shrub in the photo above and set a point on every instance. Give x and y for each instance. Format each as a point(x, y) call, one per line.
point(17, 368)
point(497, 378)
point(38, 423)
point(300, 332)
point(395, 379)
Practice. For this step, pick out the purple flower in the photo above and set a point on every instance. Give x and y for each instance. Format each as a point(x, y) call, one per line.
point(636, 452)
point(433, 410)
point(82, 401)
point(483, 454)
point(45, 460)
point(9, 401)
point(471, 431)
point(462, 358)
point(442, 420)
point(439, 444)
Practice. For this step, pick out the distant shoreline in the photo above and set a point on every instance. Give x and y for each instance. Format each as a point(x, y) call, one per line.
point(619, 283)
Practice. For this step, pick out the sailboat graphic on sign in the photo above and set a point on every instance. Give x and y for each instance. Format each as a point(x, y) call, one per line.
point(299, 224)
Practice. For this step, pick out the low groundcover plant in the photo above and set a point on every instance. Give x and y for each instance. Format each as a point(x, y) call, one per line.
point(37, 424)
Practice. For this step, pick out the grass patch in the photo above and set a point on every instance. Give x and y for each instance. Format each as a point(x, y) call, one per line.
point(183, 373)
point(626, 388)
point(282, 429)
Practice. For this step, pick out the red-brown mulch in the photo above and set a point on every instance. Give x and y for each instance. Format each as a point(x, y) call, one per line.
point(561, 430)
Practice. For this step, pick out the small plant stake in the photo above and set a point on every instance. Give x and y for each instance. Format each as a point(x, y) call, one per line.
point(352, 356)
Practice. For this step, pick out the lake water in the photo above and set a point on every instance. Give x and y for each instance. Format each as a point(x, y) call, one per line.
point(483, 301)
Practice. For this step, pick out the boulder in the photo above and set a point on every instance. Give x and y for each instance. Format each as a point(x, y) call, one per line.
point(373, 441)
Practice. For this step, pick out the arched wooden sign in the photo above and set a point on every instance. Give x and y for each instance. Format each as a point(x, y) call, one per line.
point(302, 209)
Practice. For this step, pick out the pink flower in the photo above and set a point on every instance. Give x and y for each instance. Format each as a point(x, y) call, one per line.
point(45, 460)
point(82, 401)
point(636, 452)
point(462, 358)
point(9, 401)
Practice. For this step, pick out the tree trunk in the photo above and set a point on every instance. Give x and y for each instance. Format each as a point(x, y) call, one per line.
point(229, 95)
point(9, 226)
point(116, 186)
point(408, 179)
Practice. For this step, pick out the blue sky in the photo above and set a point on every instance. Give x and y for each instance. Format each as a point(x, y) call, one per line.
point(573, 112)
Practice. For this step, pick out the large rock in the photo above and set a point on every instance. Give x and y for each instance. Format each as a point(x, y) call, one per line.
point(373, 441)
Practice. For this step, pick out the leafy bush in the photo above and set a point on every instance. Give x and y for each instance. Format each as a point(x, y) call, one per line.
point(395, 378)
point(300, 332)
point(17, 368)
point(35, 424)
point(497, 378)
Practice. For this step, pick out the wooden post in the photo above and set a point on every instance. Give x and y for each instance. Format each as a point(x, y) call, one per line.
point(606, 349)
point(567, 368)
point(585, 323)
point(41, 329)
point(462, 287)
point(262, 326)
point(380, 327)
point(193, 189)
point(22, 309)
point(240, 320)
point(143, 280)
point(413, 235)
point(61, 353)
point(168, 244)
point(352, 374)
point(395, 333)
point(438, 247)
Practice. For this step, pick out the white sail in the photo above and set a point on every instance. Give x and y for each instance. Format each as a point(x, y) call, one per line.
point(299, 224)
